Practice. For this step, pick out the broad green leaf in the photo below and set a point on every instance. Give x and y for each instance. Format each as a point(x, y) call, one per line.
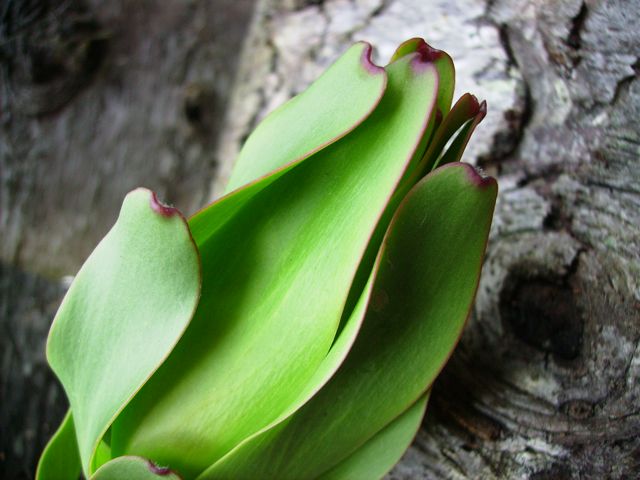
point(126, 309)
point(422, 294)
point(376, 457)
point(275, 280)
point(330, 108)
point(133, 468)
point(465, 109)
point(329, 365)
point(340, 100)
point(446, 84)
point(60, 459)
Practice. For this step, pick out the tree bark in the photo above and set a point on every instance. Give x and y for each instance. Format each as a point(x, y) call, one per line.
point(96, 98)
point(544, 384)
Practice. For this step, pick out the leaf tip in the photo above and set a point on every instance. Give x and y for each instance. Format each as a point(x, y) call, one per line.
point(162, 208)
point(478, 178)
point(367, 62)
point(482, 110)
point(427, 53)
point(158, 470)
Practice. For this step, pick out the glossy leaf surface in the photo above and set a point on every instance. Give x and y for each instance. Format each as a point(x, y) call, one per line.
point(123, 314)
point(376, 457)
point(340, 100)
point(61, 459)
point(332, 106)
point(133, 468)
point(275, 280)
point(443, 63)
point(459, 143)
point(422, 295)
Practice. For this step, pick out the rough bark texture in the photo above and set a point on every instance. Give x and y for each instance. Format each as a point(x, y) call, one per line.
point(544, 384)
point(96, 98)
point(101, 97)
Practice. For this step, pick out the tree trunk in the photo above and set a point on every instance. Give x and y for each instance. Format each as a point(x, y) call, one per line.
point(96, 98)
point(544, 384)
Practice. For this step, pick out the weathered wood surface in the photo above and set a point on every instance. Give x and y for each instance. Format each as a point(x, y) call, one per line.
point(96, 98)
point(545, 382)
point(101, 97)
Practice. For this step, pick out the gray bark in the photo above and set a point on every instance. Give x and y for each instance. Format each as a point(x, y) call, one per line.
point(544, 383)
point(99, 98)
point(96, 98)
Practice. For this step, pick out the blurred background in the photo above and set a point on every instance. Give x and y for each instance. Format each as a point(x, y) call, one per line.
point(97, 98)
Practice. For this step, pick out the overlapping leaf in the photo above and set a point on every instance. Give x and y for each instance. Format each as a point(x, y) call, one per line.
point(422, 295)
point(331, 107)
point(133, 468)
point(446, 85)
point(376, 457)
point(276, 275)
point(61, 459)
point(340, 100)
point(124, 312)
point(281, 374)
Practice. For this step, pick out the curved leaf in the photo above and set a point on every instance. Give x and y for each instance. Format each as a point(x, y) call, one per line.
point(376, 457)
point(457, 147)
point(422, 295)
point(335, 104)
point(276, 276)
point(329, 365)
point(443, 63)
point(421, 165)
point(61, 459)
point(123, 314)
point(331, 107)
point(133, 468)
point(465, 109)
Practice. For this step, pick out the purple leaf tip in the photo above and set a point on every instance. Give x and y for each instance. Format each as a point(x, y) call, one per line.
point(161, 208)
point(427, 52)
point(157, 470)
point(477, 176)
point(483, 109)
point(367, 63)
point(425, 55)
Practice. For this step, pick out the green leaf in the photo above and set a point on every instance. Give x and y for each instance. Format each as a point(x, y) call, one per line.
point(457, 147)
point(276, 277)
point(443, 63)
point(61, 459)
point(126, 309)
point(406, 48)
point(333, 106)
point(133, 468)
point(340, 100)
point(465, 109)
point(329, 364)
point(446, 85)
point(423, 292)
point(376, 457)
